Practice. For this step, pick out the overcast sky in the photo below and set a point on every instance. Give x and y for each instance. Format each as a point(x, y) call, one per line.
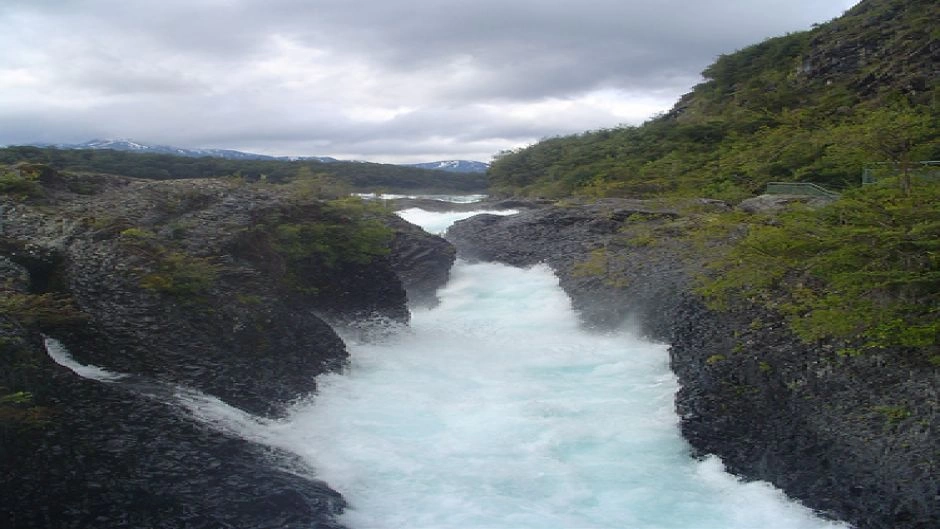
point(382, 80)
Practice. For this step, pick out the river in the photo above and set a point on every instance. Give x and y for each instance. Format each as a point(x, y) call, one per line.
point(495, 410)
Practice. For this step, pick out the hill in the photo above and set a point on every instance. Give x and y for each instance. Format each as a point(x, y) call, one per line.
point(814, 106)
point(128, 145)
point(356, 176)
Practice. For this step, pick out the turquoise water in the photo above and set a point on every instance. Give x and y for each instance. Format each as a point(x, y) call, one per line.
point(495, 410)
point(437, 223)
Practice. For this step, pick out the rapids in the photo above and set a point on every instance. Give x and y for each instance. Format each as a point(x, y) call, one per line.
point(495, 410)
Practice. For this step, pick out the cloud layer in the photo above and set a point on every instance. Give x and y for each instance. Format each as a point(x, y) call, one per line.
point(391, 80)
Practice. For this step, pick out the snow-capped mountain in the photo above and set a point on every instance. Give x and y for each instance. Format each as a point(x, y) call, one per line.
point(454, 166)
point(133, 146)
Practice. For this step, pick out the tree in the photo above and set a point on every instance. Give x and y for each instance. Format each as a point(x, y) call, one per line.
point(899, 135)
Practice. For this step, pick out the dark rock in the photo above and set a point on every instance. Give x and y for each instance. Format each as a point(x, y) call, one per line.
point(257, 332)
point(110, 457)
point(807, 419)
point(614, 269)
point(421, 262)
point(853, 437)
point(775, 203)
point(15, 277)
point(180, 285)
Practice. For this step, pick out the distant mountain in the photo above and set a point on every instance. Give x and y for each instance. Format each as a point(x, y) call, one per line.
point(127, 145)
point(139, 160)
point(454, 166)
point(133, 146)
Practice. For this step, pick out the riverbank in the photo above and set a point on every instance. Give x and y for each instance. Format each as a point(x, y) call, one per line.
point(852, 436)
point(215, 286)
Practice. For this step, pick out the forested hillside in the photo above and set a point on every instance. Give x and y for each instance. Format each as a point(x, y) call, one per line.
point(816, 106)
point(357, 176)
point(856, 95)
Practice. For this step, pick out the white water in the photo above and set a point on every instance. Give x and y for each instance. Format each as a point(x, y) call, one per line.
point(496, 411)
point(60, 355)
point(204, 408)
point(457, 199)
point(437, 223)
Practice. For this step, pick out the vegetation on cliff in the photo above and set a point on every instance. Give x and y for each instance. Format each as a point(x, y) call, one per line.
point(864, 270)
point(816, 106)
point(24, 395)
point(310, 248)
point(184, 262)
point(855, 96)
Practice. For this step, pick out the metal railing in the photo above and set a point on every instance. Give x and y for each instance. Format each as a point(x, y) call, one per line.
point(874, 171)
point(800, 188)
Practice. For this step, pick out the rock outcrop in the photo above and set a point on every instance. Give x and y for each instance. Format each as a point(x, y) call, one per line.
point(422, 264)
point(853, 437)
point(617, 259)
point(229, 289)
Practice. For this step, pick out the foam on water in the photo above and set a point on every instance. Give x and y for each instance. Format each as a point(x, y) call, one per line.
point(437, 223)
point(202, 407)
point(457, 199)
point(496, 411)
point(60, 355)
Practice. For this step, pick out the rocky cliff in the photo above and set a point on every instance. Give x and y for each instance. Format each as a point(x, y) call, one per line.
point(853, 437)
point(233, 290)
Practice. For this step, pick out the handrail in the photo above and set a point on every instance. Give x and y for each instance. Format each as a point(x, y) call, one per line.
point(800, 188)
point(868, 172)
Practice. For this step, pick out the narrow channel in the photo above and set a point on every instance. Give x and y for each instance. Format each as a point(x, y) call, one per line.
point(495, 410)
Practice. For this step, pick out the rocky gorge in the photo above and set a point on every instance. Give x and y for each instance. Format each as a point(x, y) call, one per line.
point(212, 285)
point(853, 437)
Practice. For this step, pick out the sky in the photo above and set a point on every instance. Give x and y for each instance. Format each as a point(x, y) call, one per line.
point(395, 81)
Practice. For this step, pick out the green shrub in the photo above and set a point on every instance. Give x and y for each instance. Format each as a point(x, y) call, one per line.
point(865, 267)
point(714, 359)
point(181, 275)
point(137, 233)
point(18, 397)
point(893, 414)
point(41, 309)
point(596, 264)
point(343, 233)
point(20, 185)
point(332, 244)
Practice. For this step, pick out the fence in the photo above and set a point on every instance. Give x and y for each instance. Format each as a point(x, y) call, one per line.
point(875, 171)
point(800, 188)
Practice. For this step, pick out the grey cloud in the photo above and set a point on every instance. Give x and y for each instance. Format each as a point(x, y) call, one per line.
point(186, 72)
point(532, 45)
point(537, 43)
